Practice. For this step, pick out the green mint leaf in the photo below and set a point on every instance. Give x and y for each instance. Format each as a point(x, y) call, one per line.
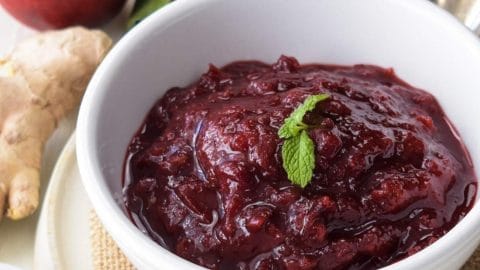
point(294, 123)
point(290, 128)
point(142, 9)
point(299, 159)
point(307, 106)
point(298, 149)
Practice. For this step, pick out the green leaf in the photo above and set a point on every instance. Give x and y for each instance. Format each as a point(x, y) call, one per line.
point(299, 159)
point(290, 128)
point(298, 149)
point(294, 123)
point(142, 9)
point(307, 106)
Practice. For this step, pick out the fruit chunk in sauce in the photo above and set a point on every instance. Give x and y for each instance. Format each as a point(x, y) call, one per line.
point(204, 174)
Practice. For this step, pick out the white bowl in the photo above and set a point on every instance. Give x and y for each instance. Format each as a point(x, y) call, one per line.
point(427, 47)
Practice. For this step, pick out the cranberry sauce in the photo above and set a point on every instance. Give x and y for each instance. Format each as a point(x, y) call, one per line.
point(204, 175)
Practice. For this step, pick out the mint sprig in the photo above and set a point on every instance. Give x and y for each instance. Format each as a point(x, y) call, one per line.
point(298, 149)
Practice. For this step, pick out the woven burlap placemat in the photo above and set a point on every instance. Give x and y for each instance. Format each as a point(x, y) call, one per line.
point(474, 262)
point(107, 256)
point(105, 253)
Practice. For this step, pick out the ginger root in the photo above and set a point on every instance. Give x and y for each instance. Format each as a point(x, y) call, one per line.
point(41, 81)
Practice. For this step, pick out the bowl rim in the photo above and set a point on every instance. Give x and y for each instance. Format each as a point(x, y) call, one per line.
point(124, 232)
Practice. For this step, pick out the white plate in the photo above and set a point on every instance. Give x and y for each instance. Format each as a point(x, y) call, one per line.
point(62, 240)
point(17, 237)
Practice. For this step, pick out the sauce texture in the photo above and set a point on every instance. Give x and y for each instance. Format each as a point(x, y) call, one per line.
point(204, 176)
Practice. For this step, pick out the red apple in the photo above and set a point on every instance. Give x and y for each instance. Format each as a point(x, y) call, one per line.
point(54, 14)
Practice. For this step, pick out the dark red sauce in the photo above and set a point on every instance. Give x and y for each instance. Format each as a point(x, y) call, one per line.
point(204, 174)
